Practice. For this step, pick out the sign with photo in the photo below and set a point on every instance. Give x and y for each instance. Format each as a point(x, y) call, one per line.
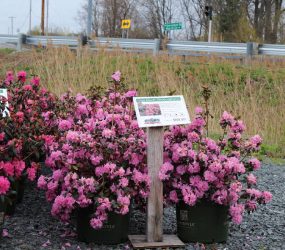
point(3, 93)
point(161, 111)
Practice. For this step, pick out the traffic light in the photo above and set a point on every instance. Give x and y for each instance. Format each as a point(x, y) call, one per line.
point(209, 11)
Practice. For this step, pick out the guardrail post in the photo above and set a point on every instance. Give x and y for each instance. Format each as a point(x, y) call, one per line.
point(21, 41)
point(251, 50)
point(82, 41)
point(156, 47)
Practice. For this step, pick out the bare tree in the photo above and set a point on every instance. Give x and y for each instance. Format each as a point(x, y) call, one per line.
point(194, 18)
point(266, 17)
point(156, 14)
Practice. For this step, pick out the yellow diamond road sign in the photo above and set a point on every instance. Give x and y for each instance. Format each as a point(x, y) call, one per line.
point(126, 24)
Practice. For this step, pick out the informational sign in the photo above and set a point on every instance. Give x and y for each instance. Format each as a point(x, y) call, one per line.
point(172, 26)
point(161, 111)
point(3, 92)
point(126, 24)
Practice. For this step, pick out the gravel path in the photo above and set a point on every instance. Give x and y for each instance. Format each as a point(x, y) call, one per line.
point(32, 226)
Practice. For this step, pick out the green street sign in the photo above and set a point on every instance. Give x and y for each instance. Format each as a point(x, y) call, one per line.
point(173, 26)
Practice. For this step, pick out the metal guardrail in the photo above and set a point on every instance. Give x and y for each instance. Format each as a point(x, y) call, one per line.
point(8, 39)
point(53, 40)
point(144, 44)
point(214, 47)
point(271, 49)
point(148, 45)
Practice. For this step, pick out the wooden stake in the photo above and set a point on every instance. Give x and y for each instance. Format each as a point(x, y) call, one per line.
point(154, 237)
point(155, 199)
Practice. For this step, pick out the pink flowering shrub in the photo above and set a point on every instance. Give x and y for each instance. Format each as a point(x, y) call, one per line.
point(197, 167)
point(98, 158)
point(11, 167)
point(25, 128)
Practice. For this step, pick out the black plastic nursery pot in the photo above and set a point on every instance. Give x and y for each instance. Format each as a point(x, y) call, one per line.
point(2, 215)
point(11, 204)
point(206, 222)
point(21, 190)
point(114, 231)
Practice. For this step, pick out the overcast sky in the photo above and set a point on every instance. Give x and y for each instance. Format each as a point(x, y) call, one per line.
point(62, 13)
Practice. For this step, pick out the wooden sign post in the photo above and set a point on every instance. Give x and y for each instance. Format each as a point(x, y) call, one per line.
point(154, 113)
point(155, 199)
point(154, 237)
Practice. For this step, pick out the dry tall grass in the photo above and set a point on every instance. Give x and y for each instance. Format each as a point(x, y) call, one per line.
point(256, 93)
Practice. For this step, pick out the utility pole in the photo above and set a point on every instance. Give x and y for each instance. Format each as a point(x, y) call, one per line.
point(47, 17)
point(30, 19)
point(43, 19)
point(12, 24)
point(89, 18)
point(210, 31)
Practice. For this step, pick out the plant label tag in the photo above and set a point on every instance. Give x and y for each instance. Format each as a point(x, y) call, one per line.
point(3, 93)
point(161, 111)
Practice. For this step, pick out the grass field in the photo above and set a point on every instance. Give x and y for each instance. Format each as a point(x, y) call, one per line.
point(256, 93)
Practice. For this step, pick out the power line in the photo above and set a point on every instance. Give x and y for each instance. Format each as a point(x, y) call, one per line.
point(12, 23)
point(24, 22)
point(30, 21)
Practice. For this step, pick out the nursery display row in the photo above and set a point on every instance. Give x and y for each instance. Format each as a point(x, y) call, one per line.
point(95, 154)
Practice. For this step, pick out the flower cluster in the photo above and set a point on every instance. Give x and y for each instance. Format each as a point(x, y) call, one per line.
point(197, 167)
point(98, 158)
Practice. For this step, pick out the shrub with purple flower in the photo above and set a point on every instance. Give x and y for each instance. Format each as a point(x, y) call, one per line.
point(197, 167)
point(98, 158)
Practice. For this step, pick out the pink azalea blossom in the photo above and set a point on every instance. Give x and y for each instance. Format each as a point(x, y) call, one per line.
point(5, 233)
point(22, 76)
point(131, 93)
point(4, 185)
point(96, 223)
point(117, 76)
point(42, 182)
point(2, 136)
point(28, 87)
point(35, 81)
point(9, 77)
point(64, 125)
point(20, 116)
point(31, 173)
point(198, 110)
point(267, 196)
point(108, 133)
point(255, 163)
point(236, 212)
point(251, 179)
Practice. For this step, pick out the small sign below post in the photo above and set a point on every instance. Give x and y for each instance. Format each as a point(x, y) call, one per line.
point(154, 113)
point(3, 93)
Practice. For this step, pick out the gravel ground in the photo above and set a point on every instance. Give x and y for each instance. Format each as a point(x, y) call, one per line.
point(32, 226)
